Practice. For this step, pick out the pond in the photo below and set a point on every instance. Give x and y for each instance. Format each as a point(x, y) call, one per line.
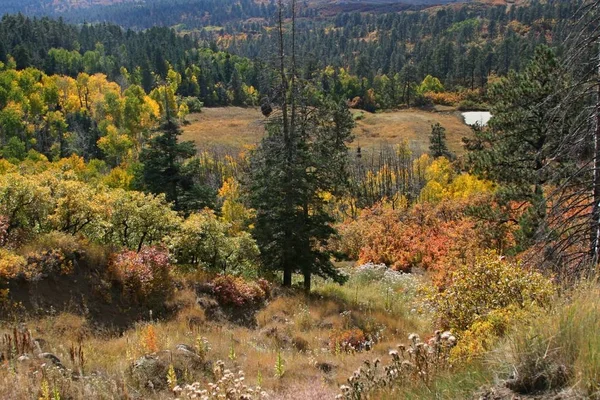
point(477, 117)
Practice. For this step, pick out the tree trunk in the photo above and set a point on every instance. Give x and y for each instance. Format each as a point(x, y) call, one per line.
point(287, 276)
point(307, 281)
point(595, 228)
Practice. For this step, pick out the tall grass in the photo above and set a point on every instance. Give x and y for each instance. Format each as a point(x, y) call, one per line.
point(452, 385)
point(562, 348)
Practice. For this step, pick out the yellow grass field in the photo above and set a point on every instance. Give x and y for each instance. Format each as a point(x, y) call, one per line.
point(233, 128)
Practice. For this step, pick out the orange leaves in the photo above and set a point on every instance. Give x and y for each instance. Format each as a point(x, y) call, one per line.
point(425, 236)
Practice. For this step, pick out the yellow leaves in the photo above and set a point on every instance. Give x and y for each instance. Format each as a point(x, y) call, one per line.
point(118, 178)
point(6, 167)
point(114, 144)
point(431, 84)
point(153, 111)
point(233, 211)
point(164, 96)
point(75, 207)
point(11, 264)
point(183, 112)
point(479, 290)
point(444, 183)
point(173, 80)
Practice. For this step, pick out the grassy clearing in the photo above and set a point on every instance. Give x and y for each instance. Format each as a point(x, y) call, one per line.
point(233, 128)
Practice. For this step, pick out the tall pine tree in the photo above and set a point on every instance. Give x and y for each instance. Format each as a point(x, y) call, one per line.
point(302, 157)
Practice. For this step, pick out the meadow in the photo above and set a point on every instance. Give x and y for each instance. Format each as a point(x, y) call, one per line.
point(231, 129)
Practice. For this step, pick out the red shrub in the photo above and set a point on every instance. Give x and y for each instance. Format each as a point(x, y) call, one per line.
point(234, 291)
point(146, 273)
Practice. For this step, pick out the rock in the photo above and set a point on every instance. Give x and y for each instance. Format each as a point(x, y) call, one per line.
point(326, 367)
point(151, 370)
point(52, 358)
point(23, 358)
point(185, 357)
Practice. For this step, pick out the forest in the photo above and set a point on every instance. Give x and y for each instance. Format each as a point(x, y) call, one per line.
point(319, 259)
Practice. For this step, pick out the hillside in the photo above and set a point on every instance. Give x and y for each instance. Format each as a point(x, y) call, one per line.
point(229, 200)
point(64, 6)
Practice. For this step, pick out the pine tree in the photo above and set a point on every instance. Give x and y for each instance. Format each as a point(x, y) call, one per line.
point(163, 169)
point(437, 142)
point(519, 148)
point(302, 157)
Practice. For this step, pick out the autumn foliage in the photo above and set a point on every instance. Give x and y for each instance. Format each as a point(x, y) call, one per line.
point(425, 236)
point(235, 291)
point(145, 274)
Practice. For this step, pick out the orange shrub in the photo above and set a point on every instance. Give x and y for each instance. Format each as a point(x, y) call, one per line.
point(428, 236)
point(444, 98)
point(347, 340)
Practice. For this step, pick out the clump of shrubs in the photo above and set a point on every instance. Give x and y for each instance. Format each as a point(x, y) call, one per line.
point(416, 363)
point(11, 264)
point(444, 98)
point(485, 298)
point(235, 291)
point(4, 224)
point(49, 263)
point(487, 284)
point(144, 274)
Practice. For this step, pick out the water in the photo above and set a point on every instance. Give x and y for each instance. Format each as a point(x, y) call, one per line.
point(477, 117)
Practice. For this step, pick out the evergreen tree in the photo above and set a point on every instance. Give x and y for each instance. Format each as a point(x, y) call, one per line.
point(519, 148)
point(163, 161)
point(299, 160)
point(235, 86)
point(437, 142)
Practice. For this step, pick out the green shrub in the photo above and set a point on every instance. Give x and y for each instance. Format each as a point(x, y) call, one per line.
point(470, 105)
point(488, 284)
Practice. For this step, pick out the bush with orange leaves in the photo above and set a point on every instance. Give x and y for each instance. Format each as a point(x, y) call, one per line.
point(444, 98)
point(426, 236)
point(348, 340)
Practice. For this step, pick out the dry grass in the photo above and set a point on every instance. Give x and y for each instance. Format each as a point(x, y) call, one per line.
point(295, 325)
point(410, 125)
point(560, 349)
point(233, 128)
point(228, 128)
